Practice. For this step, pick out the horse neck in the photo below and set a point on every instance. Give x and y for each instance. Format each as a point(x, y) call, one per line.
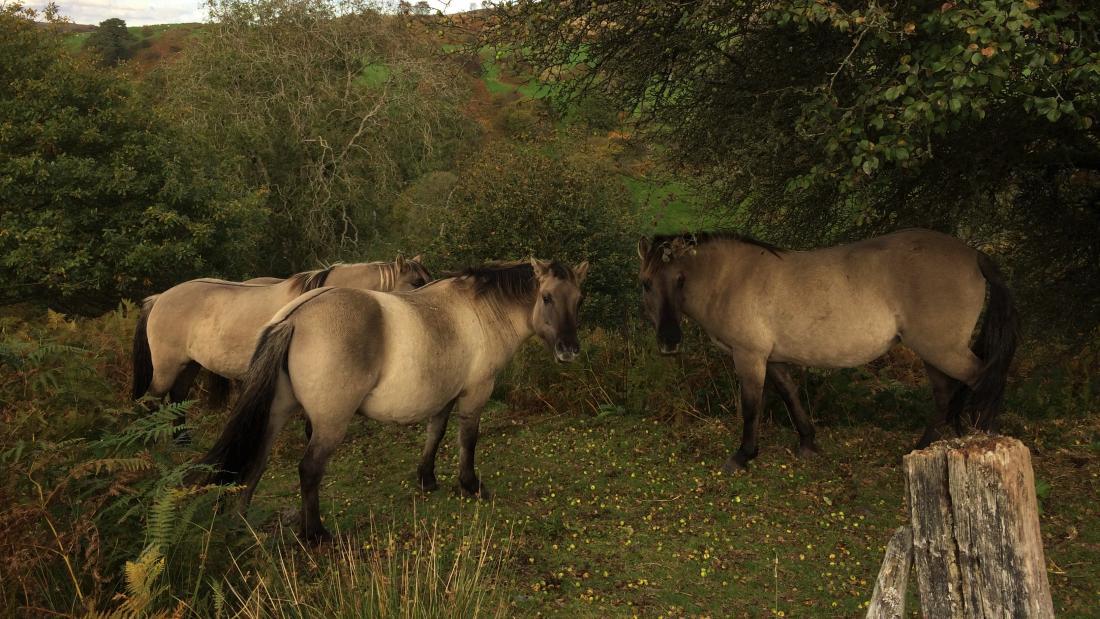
point(380, 276)
point(716, 267)
point(506, 324)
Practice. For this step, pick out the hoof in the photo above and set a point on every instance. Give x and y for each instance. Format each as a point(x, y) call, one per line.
point(734, 464)
point(317, 536)
point(808, 450)
point(739, 461)
point(477, 490)
point(427, 483)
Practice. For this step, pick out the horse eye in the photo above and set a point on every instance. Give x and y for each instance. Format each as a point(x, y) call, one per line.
point(547, 299)
point(646, 285)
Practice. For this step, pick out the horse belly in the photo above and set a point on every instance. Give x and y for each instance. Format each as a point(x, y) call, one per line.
point(405, 403)
point(225, 346)
point(837, 344)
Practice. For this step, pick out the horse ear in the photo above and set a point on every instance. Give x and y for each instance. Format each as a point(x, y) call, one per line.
point(419, 259)
point(581, 271)
point(643, 247)
point(400, 263)
point(541, 267)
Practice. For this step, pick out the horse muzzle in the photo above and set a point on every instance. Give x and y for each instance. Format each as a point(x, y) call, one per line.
point(566, 353)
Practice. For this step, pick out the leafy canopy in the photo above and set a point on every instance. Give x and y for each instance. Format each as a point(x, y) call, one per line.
point(817, 120)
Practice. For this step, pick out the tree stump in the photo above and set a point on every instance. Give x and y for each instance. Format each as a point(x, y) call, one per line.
point(977, 550)
point(888, 600)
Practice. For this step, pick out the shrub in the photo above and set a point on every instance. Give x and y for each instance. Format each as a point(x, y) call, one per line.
point(598, 112)
point(525, 120)
point(512, 203)
point(97, 199)
point(332, 106)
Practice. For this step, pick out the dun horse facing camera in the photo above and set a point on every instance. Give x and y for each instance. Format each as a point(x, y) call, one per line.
point(837, 307)
point(403, 357)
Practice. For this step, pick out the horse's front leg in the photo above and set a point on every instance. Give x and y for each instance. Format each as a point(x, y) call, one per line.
point(468, 408)
point(437, 426)
point(751, 370)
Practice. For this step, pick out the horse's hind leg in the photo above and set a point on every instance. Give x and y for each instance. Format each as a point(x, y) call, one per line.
point(781, 378)
point(181, 388)
point(945, 392)
point(437, 426)
point(322, 444)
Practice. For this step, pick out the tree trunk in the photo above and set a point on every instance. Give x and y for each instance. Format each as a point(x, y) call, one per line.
point(977, 550)
point(888, 600)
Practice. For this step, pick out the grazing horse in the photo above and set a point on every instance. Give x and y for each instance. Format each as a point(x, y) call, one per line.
point(405, 358)
point(837, 307)
point(215, 324)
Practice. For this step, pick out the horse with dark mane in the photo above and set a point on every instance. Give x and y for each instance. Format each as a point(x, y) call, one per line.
point(837, 307)
point(404, 357)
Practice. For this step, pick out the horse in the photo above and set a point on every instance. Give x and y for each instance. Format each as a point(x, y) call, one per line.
point(404, 358)
point(215, 324)
point(837, 307)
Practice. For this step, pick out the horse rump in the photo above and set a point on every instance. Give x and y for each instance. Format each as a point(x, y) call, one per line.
point(142, 356)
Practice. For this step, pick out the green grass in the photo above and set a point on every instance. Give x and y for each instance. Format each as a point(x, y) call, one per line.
point(667, 206)
point(625, 516)
point(76, 40)
point(490, 74)
point(374, 75)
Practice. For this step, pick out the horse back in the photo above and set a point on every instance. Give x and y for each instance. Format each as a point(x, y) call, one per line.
point(845, 305)
point(211, 321)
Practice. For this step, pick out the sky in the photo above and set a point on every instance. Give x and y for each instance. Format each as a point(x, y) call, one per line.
point(143, 12)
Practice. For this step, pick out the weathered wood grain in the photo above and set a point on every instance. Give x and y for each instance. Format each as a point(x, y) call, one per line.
point(888, 600)
point(977, 550)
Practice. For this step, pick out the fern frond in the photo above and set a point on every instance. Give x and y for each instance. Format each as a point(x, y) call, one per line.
point(113, 465)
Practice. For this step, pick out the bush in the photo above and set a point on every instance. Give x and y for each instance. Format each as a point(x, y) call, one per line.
point(330, 105)
point(415, 210)
point(598, 112)
point(97, 199)
point(512, 203)
point(525, 120)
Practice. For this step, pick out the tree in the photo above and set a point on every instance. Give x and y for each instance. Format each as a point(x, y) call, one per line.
point(817, 120)
point(328, 107)
point(97, 199)
point(510, 203)
point(111, 42)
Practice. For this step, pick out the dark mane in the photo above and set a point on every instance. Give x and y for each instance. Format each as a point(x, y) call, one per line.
point(509, 281)
point(310, 280)
point(659, 242)
point(420, 269)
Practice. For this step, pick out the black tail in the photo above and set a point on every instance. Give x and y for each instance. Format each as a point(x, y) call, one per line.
point(143, 359)
point(995, 346)
point(239, 448)
point(217, 390)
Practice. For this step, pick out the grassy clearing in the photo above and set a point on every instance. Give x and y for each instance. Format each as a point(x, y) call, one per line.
point(607, 497)
point(620, 515)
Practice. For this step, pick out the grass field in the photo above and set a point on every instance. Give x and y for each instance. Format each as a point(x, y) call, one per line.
point(620, 515)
